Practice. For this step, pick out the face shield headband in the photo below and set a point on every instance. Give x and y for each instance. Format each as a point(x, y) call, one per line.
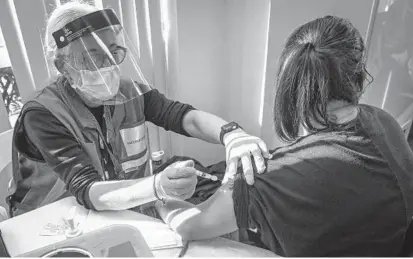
point(85, 25)
point(104, 63)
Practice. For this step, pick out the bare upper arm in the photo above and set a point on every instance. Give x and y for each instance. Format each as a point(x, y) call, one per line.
point(212, 218)
point(219, 214)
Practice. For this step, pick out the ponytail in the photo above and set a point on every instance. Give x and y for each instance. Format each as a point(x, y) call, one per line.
point(313, 70)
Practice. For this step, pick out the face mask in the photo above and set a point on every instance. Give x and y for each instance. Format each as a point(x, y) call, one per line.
point(101, 85)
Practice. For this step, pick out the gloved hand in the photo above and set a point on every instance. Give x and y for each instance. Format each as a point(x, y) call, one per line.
point(240, 146)
point(177, 181)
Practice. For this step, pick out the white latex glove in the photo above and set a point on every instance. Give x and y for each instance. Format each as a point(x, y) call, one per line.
point(177, 181)
point(181, 164)
point(240, 146)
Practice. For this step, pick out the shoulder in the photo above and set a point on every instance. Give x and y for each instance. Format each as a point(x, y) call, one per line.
point(38, 122)
point(37, 114)
point(379, 123)
point(371, 112)
point(154, 96)
point(39, 96)
point(34, 110)
point(35, 125)
point(132, 88)
point(322, 159)
point(320, 144)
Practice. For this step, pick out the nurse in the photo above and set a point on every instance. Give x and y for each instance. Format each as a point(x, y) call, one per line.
point(84, 134)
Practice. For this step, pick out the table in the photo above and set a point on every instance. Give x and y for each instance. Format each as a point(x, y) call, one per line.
point(21, 234)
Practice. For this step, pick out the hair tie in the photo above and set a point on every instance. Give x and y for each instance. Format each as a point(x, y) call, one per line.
point(309, 46)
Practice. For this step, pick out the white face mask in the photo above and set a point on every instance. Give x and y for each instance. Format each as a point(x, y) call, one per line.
point(102, 84)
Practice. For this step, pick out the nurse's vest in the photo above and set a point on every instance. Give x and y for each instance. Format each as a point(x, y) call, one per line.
point(125, 133)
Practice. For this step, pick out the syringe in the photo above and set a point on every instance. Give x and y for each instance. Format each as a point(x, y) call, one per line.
point(206, 175)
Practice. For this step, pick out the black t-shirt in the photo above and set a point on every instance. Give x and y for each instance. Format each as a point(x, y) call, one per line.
point(47, 139)
point(342, 193)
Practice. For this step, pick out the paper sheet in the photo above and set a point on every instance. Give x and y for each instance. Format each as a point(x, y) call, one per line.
point(157, 234)
point(160, 236)
point(51, 229)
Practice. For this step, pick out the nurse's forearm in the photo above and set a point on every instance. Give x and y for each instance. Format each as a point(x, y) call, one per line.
point(203, 125)
point(121, 195)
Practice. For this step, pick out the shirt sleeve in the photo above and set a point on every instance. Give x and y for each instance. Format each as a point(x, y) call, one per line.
point(166, 113)
point(61, 152)
point(287, 207)
point(275, 207)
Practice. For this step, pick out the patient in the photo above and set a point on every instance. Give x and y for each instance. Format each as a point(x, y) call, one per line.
point(343, 187)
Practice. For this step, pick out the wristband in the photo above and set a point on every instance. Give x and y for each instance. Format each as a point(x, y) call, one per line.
point(154, 190)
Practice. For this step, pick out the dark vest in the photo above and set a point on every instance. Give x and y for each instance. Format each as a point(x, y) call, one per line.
point(35, 183)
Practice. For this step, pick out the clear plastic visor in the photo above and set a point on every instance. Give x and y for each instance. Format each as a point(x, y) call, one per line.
point(103, 66)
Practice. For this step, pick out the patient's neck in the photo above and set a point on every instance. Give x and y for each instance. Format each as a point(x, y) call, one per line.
point(339, 112)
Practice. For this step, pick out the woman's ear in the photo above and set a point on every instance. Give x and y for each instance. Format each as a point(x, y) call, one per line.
point(60, 64)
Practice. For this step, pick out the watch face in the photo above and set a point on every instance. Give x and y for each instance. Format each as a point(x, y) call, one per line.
point(230, 127)
point(227, 129)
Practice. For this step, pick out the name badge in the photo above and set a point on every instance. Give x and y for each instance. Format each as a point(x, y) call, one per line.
point(134, 139)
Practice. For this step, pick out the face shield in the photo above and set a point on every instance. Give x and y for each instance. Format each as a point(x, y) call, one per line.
point(102, 61)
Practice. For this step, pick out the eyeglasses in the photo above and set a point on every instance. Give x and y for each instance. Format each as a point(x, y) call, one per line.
point(93, 61)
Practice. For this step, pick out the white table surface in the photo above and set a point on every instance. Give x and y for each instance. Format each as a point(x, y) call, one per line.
point(21, 234)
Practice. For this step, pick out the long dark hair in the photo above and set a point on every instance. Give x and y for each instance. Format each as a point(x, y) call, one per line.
point(322, 60)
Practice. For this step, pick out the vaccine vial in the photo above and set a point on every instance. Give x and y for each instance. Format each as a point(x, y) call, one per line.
point(157, 159)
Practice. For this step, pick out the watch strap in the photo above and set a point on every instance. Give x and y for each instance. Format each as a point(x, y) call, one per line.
point(227, 128)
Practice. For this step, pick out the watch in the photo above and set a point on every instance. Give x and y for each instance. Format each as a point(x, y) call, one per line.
point(226, 129)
